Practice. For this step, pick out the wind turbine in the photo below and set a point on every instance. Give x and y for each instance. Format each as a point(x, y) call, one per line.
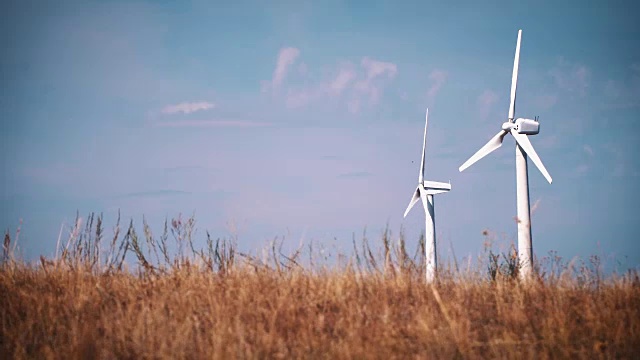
point(520, 129)
point(425, 191)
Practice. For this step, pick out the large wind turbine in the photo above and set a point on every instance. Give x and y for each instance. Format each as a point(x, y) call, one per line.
point(520, 129)
point(425, 191)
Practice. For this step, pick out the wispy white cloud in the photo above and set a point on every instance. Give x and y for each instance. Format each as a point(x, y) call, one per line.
point(211, 123)
point(312, 91)
point(369, 86)
point(438, 78)
point(342, 80)
point(187, 107)
point(376, 68)
point(286, 57)
point(293, 97)
point(348, 84)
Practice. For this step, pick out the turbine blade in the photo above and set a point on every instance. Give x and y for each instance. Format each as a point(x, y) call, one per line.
point(493, 144)
point(514, 78)
point(425, 205)
point(414, 200)
point(523, 141)
point(424, 147)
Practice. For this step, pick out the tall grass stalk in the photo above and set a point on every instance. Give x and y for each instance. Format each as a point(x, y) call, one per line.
point(142, 296)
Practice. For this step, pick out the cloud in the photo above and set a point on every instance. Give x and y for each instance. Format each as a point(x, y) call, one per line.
point(187, 108)
point(369, 86)
point(341, 81)
point(286, 57)
point(211, 123)
point(485, 102)
point(376, 68)
point(438, 78)
point(348, 84)
point(297, 97)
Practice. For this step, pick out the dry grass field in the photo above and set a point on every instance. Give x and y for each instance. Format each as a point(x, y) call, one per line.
point(218, 303)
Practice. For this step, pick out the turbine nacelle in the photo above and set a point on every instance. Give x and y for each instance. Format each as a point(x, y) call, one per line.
point(527, 126)
point(436, 187)
point(522, 126)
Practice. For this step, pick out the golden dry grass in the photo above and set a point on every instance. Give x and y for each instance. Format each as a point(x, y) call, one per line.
point(68, 308)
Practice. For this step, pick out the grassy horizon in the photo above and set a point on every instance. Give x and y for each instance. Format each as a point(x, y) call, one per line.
point(216, 302)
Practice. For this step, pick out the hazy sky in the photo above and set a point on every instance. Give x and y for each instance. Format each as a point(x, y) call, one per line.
point(305, 119)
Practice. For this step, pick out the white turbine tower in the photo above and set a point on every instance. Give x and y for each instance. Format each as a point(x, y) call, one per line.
point(425, 191)
point(520, 129)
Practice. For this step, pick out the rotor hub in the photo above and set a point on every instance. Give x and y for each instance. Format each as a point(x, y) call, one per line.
point(507, 126)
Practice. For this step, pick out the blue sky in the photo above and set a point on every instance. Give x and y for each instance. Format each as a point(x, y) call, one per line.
point(304, 119)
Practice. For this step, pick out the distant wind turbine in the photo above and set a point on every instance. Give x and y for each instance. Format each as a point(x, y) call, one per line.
point(520, 129)
point(425, 191)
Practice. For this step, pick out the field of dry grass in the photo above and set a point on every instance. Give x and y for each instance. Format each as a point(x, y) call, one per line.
point(218, 303)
